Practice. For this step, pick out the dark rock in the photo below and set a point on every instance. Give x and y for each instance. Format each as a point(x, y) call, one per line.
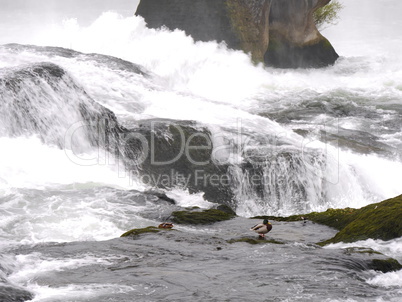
point(204, 20)
point(254, 240)
point(381, 220)
point(294, 40)
point(136, 232)
point(35, 97)
point(225, 208)
point(167, 154)
point(385, 265)
point(281, 33)
point(200, 217)
point(250, 20)
point(161, 196)
point(13, 294)
point(242, 24)
point(370, 259)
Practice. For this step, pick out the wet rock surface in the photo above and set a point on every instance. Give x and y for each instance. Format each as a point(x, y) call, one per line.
point(216, 262)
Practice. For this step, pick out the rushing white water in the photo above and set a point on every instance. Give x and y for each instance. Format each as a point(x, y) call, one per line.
point(208, 83)
point(392, 248)
point(221, 88)
point(217, 87)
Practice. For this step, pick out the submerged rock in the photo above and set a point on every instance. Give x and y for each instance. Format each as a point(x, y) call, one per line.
point(254, 240)
point(370, 259)
point(136, 232)
point(160, 195)
point(201, 217)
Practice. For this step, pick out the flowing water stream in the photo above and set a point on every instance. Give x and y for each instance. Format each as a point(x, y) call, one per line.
point(317, 139)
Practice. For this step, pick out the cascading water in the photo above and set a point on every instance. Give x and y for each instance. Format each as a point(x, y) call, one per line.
point(289, 141)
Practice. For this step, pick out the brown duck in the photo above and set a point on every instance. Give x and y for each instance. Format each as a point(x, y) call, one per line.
point(262, 228)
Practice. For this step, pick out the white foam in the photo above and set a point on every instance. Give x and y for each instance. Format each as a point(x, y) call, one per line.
point(391, 248)
point(79, 292)
point(29, 268)
point(186, 200)
point(28, 163)
point(359, 180)
point(216, 86)
point(390, 279)
point(75, 211)
point(35, 264)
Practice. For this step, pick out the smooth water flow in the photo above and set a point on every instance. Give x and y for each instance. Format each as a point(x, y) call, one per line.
point(314, 138)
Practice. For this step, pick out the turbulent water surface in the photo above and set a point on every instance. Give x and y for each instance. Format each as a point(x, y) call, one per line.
point(315, 138)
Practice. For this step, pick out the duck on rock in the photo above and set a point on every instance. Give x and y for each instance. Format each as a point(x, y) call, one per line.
point(262, 228)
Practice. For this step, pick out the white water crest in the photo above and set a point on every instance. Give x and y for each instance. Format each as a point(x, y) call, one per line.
point(391, 248)
point(218, 87)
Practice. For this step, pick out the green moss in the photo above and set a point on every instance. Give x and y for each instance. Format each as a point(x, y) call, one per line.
point(328, 14)
point(254, 241)
point(136, 232)
point(200, 217)
point(385, 265)
point(325, 44)
point(273, 45)
point(361, 250)
point(251, 34)
point(381, 220)
point(335, 218)
point(377, 221)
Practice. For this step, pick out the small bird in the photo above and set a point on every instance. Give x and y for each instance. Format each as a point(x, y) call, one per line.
point(262, 228)
point(165, 225)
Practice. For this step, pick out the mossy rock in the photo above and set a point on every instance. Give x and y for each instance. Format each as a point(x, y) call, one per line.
point(380, 263)
point(385, 265)
point(225, 208)
point(254, 241)
point(201, 217)
point(381, 220)
point(361, 250)
point(335, 218)
point(136, 232)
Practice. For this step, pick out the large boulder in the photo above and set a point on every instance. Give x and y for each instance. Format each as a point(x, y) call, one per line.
point(294, 39)
point(10, 293)
point(37, 98)
point(170, 153)
point(280, 33)
point(242, 24)
point(381, 220)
